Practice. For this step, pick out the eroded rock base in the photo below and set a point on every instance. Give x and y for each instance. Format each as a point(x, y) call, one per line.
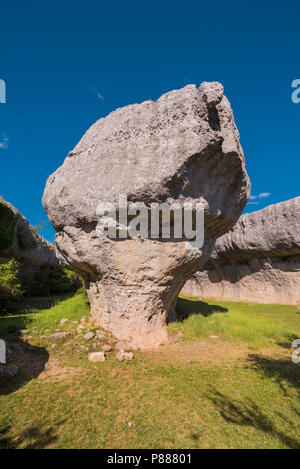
point(138, 318)
point(265, 280)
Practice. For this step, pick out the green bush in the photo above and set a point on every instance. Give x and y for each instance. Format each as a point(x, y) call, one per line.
point(7, 226)
point(50, 280)
point(10, 284)
point(17, 280)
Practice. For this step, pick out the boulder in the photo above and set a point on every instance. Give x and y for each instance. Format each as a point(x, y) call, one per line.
point(257, 261)
point(182, 148)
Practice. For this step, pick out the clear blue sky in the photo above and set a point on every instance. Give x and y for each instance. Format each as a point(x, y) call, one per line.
point(68, 63)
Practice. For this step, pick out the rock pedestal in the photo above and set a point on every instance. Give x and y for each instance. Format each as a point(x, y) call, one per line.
point(182, 148)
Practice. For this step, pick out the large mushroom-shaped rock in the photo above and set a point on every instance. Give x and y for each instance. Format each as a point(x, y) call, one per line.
point(20, 241)
point(257, 261)
point(182, 148)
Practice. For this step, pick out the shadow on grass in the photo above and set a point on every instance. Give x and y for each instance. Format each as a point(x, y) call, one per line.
point(284, 372)
point(30, 438)
point(248, 413)
point(186, 307)
point(30, 360)
point(10, 325)
point(33, 304)
point(281, 370)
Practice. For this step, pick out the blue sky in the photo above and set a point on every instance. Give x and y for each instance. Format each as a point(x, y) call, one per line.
point(68, 63)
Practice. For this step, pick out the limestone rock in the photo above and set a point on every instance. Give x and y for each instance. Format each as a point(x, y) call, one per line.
point(96, 357)
point(106, 348)
point(27, 246)
point(89, 335)
point(122, 345)
point(257, 261)
point(100, 335)
point(60, 335)
point(124, 356)
point(182, 148)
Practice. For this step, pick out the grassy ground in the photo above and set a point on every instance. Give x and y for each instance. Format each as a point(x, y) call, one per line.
point(225, 381)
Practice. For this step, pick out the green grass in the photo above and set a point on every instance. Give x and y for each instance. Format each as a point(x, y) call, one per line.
point(254, 325)
point(45, 312)
point(197, 392)
point(71, 308)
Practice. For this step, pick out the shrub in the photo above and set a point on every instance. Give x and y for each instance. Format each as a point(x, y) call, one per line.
point(50, 280)
point(8, 222)
point(10, 283)
point(17, 280)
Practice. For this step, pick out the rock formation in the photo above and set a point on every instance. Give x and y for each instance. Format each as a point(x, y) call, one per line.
point(257, 261)
point(182, 148)
point(20, 241)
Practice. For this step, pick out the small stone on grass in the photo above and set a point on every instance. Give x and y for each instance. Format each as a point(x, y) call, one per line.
point(122, 356)
point(96, 357)
point(89, 335)
point(60, 335)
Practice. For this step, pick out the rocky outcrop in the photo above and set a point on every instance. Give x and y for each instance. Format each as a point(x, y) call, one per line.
point(182, 148)
point(21, 242)
point(257, 261)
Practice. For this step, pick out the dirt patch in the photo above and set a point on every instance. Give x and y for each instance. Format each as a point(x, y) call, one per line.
point(54, 368)
point(31, 358)
point(37, 362)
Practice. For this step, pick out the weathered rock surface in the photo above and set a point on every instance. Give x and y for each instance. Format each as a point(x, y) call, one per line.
point(183, 147)
point(27, 246)
point(257, 261)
